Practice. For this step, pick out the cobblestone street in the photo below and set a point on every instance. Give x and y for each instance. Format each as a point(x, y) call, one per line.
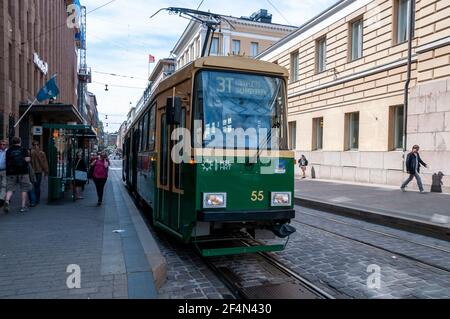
point(338, 255)
point(188, 277)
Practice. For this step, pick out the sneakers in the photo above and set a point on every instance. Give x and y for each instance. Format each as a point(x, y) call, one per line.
point(6, 207)
point(24, 210)
point(403, 189)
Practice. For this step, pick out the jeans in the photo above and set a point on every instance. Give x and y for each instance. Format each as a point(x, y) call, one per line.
point(100, 185)
point(35, 194)
point(411, 177)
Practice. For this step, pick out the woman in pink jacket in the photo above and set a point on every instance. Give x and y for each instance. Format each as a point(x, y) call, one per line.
point(100, 167)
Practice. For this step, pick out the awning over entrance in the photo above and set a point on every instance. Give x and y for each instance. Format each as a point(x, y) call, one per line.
point(54, 113)
point(85, 131)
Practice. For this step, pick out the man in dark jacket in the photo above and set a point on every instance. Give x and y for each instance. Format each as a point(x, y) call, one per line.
point(413, 165)
point(17, 173)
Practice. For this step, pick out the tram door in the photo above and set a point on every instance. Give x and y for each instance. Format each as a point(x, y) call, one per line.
point(169, 195)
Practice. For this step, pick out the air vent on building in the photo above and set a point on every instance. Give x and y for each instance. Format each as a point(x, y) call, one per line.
point(260, 16)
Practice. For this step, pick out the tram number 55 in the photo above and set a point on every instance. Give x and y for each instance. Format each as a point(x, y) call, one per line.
point(257, 196)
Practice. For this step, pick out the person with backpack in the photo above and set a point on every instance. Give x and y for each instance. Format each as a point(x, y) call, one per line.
point(303, 163)
point(17, 173)
point(100, 175)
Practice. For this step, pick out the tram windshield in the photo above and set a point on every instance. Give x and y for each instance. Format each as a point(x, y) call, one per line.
point(241, 110)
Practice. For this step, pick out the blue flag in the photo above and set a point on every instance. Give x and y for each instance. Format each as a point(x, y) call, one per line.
point(49, 91)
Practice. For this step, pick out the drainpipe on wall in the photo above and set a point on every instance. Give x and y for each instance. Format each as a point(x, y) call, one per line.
point(411, 25)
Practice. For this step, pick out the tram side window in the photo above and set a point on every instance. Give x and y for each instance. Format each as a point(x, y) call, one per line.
point(152, 129)
point(163, 151)
point(141, 136)
point(179, 167)
point(145, 133)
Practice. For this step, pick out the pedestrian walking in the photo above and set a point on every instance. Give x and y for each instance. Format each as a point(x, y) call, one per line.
point(100, 175)
point(3, 149)
point(17, 173)
point(413, 165)
point(303, 163)
point(81, 175)
point(39, 164)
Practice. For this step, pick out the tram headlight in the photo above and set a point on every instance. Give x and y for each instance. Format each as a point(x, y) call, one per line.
point(214, 200)
point(281, 199)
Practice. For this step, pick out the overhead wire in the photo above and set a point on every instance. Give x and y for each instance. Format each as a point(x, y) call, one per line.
point(119, 75)
point(279, 12)
point(119, 86)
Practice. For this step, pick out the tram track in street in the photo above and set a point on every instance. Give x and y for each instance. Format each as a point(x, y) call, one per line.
point(285, 283)
point(441, 249)
point(374, 246)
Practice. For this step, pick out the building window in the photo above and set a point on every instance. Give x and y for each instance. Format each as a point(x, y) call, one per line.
point(402, 17)
point(318, 134)
point(321, 46)
point(21, 72)
point(352, 125)
point(11, 62)
point(215, 46)
point(254, 48)
point(10, 7)
point(294, 66)
point(357, 39)
point(397, 116)
point(292, 135)
point(236, 47)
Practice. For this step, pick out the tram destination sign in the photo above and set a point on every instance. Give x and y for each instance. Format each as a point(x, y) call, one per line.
point(240, 85)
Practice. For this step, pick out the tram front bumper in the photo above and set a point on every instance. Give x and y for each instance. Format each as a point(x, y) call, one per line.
point(245, 216)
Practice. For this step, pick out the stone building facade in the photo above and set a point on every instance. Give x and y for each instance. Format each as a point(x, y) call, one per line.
point(346, 95)
point(35, 43)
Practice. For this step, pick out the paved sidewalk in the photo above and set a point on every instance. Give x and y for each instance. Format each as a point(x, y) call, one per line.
point(430, 211)
point(37, 247)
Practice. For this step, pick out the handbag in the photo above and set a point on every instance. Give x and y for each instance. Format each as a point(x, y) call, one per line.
point(81, 176)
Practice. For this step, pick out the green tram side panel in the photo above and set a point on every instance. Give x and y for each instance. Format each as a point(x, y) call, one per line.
point(180, 223)
point(239, 181)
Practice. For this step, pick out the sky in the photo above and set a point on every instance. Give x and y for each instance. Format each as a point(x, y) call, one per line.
point(121, 35)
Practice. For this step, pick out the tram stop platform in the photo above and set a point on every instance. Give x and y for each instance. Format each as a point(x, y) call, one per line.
point(427, 214)
point(109, 251)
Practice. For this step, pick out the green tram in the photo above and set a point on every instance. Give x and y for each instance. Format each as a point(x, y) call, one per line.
point(222, 184)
